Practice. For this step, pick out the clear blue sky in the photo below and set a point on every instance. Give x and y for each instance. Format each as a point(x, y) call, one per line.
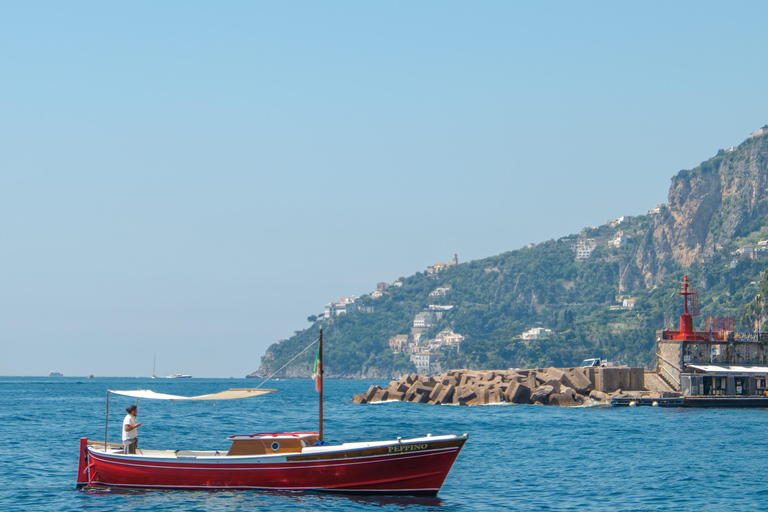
point(194, 179)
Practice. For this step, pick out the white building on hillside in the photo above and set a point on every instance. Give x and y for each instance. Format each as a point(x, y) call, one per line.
point(618, 240)
point(440, 291)
point(584, 247)
point(425, 319)
point(536, 333)
point(343, 306)
point(425, 362)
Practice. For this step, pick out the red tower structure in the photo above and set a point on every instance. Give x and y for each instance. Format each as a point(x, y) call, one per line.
point(686, 320)
point(686, 331)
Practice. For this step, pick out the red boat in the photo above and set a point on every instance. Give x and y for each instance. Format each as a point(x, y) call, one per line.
point(295, 461)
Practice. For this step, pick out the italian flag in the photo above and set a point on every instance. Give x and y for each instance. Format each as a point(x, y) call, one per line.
point(317, 371)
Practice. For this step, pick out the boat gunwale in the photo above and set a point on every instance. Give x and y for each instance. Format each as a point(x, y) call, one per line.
point(170, 458)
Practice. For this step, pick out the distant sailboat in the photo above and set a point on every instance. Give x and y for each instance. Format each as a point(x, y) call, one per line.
point(172, 376)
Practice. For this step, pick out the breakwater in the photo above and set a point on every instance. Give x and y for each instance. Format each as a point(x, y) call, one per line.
point(551, 386)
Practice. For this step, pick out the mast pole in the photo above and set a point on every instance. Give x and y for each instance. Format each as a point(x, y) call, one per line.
point(320, 370)
point(106, 423)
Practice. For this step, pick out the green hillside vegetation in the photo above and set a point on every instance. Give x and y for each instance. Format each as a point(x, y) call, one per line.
point(498, 298)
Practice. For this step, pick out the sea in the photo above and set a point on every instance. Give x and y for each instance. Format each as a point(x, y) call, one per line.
point(518, 457)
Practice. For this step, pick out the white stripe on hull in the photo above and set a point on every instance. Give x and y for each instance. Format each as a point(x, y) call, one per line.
point(272, 465)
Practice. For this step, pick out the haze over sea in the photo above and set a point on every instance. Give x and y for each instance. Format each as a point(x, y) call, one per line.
point(517, 457)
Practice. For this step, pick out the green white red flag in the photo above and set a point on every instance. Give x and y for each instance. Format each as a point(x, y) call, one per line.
point(316, 372)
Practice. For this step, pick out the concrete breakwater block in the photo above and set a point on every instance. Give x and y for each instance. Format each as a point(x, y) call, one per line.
point(470, 387)
point(542, 393)
point(549, 386)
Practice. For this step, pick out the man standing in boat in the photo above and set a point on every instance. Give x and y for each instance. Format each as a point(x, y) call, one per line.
point(130, 436)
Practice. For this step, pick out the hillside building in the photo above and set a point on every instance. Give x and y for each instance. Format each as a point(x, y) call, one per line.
point(426, 363)
point(440, 307)
point(439, 267)
point(343, 306)
point(448, 338)
point(440, 291)
point(618, 240)
point(425, 319)
point(583, 247)
point(655, 211)
point(536, 333)
point(612, 223)
point(399, 343)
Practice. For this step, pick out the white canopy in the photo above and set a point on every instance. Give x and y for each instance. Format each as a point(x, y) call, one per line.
point(229, 394)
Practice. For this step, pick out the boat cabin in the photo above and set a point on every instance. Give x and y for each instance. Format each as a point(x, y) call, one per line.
point(268, 444)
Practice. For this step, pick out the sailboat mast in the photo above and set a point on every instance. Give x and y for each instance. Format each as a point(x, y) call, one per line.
point(320, 370)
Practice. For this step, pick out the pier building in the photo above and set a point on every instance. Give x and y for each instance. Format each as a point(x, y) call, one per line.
point(716, 361)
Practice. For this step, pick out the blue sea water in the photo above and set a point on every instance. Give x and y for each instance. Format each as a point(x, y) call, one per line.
point(517, 457)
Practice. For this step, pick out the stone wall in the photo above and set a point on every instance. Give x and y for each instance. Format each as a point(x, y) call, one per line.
point(669, 357)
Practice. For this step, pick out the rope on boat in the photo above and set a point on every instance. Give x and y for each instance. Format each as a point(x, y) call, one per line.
point(286, 364)
point(92, 474)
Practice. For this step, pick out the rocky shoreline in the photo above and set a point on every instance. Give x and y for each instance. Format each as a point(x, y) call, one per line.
point(566, 387)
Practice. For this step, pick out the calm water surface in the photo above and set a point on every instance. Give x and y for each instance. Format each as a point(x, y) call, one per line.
point(517, 457)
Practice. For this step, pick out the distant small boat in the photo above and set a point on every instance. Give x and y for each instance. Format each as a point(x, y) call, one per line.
point(90, 376)
point(172, 376)
point(55, 374)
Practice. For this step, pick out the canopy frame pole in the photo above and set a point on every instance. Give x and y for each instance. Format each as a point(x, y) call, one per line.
point(106, 423)
point(321, 370)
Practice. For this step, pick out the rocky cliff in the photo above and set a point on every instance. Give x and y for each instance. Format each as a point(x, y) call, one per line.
point(724, 198)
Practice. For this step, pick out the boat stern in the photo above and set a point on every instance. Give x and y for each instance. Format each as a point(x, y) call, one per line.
point(82, 466)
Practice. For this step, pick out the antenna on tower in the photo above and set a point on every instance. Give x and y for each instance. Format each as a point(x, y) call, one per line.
point(695, 302)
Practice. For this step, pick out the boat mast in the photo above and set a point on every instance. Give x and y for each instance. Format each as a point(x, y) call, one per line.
point(106, 423)
point(320, 370)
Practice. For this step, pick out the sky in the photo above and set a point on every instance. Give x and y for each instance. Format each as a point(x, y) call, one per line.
point(183, 183)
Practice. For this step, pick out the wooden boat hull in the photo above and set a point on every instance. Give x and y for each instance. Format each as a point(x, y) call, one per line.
point(408, 467)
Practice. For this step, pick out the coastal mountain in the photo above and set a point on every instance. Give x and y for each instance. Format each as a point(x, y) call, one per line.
point(723, 199)
point(600, 293)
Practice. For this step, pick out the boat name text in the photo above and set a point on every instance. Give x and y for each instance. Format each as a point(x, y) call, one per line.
point(407, 448)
